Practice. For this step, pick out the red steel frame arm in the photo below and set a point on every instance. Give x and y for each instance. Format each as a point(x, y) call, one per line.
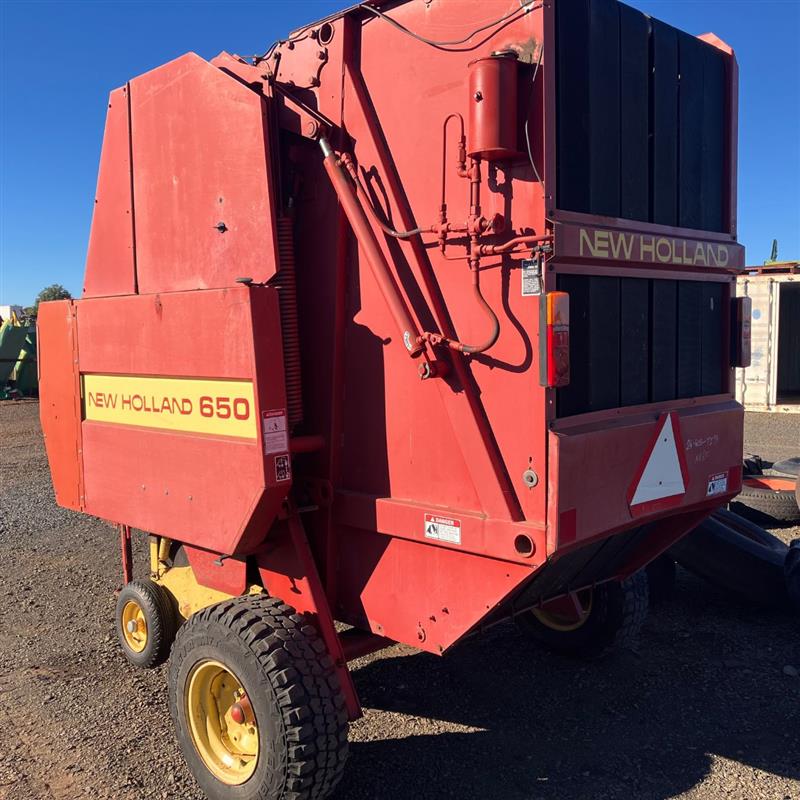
point(366, 238)
point(325, 622)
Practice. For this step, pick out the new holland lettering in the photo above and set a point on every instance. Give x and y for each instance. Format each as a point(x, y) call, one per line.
point(194, 405)
point(650, 249)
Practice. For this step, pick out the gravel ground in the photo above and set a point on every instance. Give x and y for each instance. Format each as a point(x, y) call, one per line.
point(704, 709)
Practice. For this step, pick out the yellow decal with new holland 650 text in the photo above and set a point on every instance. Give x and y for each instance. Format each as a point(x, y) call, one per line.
point(192, 405)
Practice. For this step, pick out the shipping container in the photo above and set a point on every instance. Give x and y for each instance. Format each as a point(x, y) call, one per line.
point(772, 381)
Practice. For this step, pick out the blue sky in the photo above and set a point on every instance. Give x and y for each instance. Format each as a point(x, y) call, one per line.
point(60, 60)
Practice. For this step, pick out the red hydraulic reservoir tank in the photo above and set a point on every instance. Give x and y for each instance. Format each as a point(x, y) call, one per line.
point(493, 106)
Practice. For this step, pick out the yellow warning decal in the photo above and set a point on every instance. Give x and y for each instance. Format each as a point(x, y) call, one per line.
point(193, 405)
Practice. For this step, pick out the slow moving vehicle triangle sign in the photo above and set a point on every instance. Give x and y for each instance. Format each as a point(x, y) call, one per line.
point(661, 480)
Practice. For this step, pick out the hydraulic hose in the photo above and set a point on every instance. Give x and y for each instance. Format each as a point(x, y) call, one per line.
point(388, 230)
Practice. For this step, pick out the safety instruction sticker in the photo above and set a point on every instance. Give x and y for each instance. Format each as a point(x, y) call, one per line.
point(531, 277)
point(717, 484)
point(443, 529)
point(276, 435)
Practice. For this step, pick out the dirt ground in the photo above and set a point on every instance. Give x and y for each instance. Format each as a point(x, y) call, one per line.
point(704, 709)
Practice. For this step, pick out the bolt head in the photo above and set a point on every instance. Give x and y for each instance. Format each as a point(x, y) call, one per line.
point(237, 713)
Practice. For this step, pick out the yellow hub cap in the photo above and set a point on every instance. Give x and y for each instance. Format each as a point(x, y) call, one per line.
point(567, 613)
point(134, 626)
point(221, 722)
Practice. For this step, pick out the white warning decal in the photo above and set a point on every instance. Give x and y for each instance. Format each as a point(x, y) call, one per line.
point(661, 476)
point(717, 484)
point(531, 277)
point(443, 529)
point(275, 430)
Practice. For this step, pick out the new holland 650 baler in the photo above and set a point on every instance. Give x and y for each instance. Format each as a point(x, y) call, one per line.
point(420, 321)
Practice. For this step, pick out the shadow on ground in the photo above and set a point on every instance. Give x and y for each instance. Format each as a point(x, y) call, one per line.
point(516, 722)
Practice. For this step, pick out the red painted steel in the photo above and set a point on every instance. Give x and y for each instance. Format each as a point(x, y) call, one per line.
point(111, 258)
point(428, 505)
point(126, 548)
point(200, 140)
point(221, 573)
point(169, 483)
point(59, 405)
point(492, 124)
point(606, 455)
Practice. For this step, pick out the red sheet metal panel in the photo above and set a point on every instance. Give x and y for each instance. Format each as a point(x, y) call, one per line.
point(174, 390)
point(111, 260)
point(595, 465)
point(411, 592)
point(59, 400)
point(204, 212)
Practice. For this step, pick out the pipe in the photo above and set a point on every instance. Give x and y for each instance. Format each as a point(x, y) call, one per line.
point(462, 154)
point(496, 249)
point(475, 227)
point(495, 334)
point(366, 238)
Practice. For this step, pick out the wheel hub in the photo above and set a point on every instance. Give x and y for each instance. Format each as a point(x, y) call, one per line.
point(221, 722)
point(566, 613)
point(134, 626)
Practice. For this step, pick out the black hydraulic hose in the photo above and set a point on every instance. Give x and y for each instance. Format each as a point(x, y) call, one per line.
point(389, 231)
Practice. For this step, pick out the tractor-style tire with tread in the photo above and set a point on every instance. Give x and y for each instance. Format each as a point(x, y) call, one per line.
point(287, 673)
point(619, 609)
point(661, 578)
point(160, 617)
point(758, 504)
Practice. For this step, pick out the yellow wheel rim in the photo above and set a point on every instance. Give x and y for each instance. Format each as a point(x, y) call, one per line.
point(221, 722)
point(134, 626)
point(559, 618)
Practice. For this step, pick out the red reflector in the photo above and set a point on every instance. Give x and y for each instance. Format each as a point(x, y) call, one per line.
point(555, 339)
point(740, 335)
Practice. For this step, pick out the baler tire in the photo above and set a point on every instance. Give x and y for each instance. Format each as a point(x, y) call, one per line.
point(757, 504)
point(288, 676)
point(159, 617)
point(789, 466)
point(791, 570)
point(619, 609)
point(661, 577)
point(736, 556)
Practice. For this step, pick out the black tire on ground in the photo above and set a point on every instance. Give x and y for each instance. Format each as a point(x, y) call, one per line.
point(286, 672)
point(661, 579)
point(738, 556)
point(159, 619)
point(618, 611)
point(759, 504)
point(791, 568)
point(749, 529)
point(789, 466)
